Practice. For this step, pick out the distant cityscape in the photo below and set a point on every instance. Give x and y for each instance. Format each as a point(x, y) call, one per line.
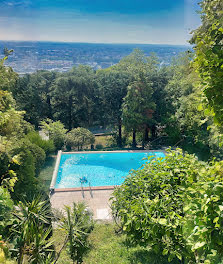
point(29, 57)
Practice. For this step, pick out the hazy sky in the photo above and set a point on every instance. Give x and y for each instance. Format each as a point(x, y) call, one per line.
point(102, 21)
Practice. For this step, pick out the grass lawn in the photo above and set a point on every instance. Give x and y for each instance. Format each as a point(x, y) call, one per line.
point(108, 247)
point(102, 140)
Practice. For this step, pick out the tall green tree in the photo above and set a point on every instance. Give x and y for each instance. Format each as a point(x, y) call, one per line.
point(137, 106)
point(138, 100)
point(209, 54)
point(113, 88)
point(187, 122)
point(74, 97)
point(32, 93)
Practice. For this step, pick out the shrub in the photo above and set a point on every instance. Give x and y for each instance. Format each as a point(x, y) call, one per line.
point(31, 232)
point(78, 224)
point(46, 145)
point(203, 221)
point(56, 132)
point(6, 206)
point(27, 184)
point(79, 137)
point(99, 146)
point(174, 205)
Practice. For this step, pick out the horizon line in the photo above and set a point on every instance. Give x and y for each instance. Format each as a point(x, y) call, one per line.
point(107, 43)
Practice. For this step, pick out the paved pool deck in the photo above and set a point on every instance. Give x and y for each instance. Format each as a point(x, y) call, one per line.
point(97, 200)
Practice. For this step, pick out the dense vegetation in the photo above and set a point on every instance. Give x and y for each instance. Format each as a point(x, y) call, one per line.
point(174, 206)
point(171, 207)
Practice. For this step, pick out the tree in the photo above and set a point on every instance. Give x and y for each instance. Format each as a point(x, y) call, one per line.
point(78, 224)
point(209, 54)
point(78, 138)
point(137, 106)
point(113, 88)
point(11, 120)
point(33, 94)
point(187, 123)
point(8, 77)
point(140, 69)
point(74, 98)
point(55, 131)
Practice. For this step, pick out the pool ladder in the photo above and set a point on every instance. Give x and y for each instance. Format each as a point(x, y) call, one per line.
point(82, 189)
point(90, 190)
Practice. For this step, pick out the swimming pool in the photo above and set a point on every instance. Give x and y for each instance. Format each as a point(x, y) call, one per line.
point(98, 169)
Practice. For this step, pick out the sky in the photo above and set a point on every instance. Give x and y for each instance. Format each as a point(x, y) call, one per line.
point(99, 21)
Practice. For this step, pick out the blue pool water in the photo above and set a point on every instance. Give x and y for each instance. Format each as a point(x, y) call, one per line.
point(100, 169)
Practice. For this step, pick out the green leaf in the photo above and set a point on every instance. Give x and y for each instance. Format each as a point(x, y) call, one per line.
point(216, 220)
point(165, 251)
point(162, 221)
point(198, 245)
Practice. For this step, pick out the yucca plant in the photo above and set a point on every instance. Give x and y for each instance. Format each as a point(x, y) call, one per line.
point(78, 224)
point(31, 231)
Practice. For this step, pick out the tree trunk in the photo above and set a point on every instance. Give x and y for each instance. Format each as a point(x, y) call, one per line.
point(153, 131)
point(120, 133)
point(70, 113)
point(48, 101)
point(134, 139)
point(146, 136)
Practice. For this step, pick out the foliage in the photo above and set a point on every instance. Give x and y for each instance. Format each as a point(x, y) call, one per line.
point(55, 130)
point(202, 227)
point(46, 145)
point(31, 231)
point(172, 205)
point(10, 118)
point(74, 97)
point(78, 138)
point(8, 77)
point(109, 246)
point(137, 104)
point(186, 119)
point(77, 224)
point(32, 93)
point(6, 206)
point(208, 48)
point(113, 88)
point(7, 174)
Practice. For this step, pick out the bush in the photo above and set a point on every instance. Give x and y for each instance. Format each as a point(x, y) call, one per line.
point(46, 145)
point(56, 132)
point(39, 156)
point(29, 160)
point(174, 205)
point(6, 206)
point(99, 146)
point(78, 224)
point(78, 138)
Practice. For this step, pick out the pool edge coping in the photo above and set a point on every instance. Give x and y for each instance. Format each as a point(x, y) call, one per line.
point(55, 171)
point(112, 151)
point(59, 154)
point(93, 188)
